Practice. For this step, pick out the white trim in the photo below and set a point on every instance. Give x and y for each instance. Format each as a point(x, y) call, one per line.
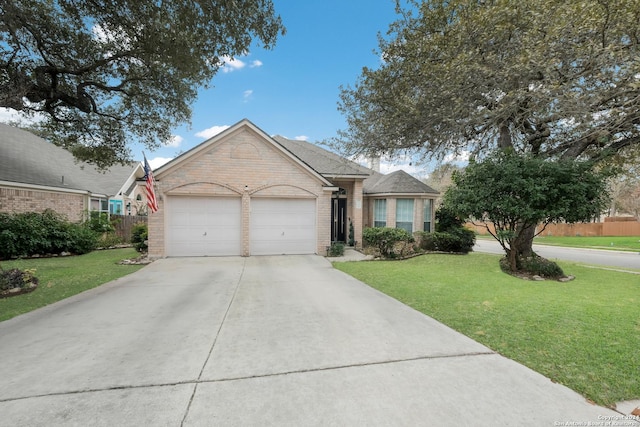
point(43, 188)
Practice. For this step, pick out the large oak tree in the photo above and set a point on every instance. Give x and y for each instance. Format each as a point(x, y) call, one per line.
point(102, 73)
point(552, 79)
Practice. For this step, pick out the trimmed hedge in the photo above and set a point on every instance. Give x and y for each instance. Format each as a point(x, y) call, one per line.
point(385, 239)
point(458, 240)
point(27, 234)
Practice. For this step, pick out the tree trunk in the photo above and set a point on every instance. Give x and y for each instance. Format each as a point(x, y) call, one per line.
point(522, 245)
point(504, 139)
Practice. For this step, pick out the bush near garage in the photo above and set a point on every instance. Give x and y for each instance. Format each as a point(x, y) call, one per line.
point(139, 236)
point(31, 233)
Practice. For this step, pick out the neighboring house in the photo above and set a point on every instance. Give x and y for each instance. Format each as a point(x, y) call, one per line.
point(36, 175)
point(245, 193)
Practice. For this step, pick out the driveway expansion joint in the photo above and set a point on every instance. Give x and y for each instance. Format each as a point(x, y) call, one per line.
point(354, 365)
point(197, 381)
point(215, 340)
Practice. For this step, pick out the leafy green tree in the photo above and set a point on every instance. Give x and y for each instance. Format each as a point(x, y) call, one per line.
point(557, 79)
point(105, 72)
point(516, 193)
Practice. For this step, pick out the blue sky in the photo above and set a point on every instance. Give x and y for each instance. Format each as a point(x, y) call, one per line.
point(293, 89)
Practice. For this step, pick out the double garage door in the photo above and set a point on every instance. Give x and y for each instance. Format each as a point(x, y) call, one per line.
point(212, 226)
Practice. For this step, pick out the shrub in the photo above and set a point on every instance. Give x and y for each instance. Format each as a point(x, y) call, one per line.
point(139, 236)
point(108, 240)
point(31, 233)
point(99, 222)
point(336, 249)
point(385, 239)
point(458, 240)
point(82, 239)
point(534, 265)
point(447, 220)
point(352, 241)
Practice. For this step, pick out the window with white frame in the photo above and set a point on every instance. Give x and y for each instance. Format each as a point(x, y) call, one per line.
point(380, 213)
point(404, 214)
point(427, 215)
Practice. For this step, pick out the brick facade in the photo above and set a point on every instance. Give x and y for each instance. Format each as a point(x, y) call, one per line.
point(241, 164)
point(21, 200)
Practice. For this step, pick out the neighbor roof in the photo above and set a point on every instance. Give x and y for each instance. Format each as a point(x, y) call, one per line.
point(28, 159)
point(395, 182)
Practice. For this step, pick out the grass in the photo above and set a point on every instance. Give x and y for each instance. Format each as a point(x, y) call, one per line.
point(584, 334)
point(620, 243)
point(61, 278)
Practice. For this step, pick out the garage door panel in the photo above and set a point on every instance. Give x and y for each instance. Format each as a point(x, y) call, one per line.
point(283, 226)
point(204, 226)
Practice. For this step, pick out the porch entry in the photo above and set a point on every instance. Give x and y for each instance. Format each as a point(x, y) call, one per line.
point(339, 216)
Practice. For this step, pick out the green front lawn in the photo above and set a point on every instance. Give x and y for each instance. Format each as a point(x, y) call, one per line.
point(584, 334)
point(620, 243)
point(61, 278)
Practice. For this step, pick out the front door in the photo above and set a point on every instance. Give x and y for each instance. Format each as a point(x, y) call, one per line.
point(339, 219)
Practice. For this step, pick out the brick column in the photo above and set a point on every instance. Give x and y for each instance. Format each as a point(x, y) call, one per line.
point(356, 212)
point(246, 222)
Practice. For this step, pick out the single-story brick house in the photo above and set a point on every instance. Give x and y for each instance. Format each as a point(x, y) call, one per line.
point(243, 192)
point(36, 175)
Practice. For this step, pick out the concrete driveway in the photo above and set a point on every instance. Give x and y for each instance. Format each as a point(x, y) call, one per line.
point(259, 341)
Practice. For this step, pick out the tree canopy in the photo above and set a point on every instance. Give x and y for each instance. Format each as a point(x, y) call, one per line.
point(105, 72)
point(557, 79)
point(517, 192)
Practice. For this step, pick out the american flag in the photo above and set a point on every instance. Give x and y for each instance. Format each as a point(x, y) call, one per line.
point(152, 202)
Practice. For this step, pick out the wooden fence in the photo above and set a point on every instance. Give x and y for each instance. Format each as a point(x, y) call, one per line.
point(607, 228)
point(124, 224)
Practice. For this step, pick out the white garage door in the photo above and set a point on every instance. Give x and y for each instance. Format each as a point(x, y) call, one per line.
point(283, 226)
point(204, 226)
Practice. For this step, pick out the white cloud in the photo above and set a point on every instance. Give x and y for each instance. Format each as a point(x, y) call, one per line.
point(175, 141)
point(212, 131)
point(231, 64)
point(405, 163)
point(228, 64)
point(10, 115)
point(247, 94)
point(414, 170)
point(156, 162)
point(462, 157)
point(301, 138)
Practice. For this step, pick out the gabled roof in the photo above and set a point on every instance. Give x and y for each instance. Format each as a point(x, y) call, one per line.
point(28, 159)
point(325, 162)
point(243, 124)
point(332, 165)
point(397, 182)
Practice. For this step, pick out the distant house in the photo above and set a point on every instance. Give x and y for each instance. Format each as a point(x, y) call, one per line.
point(36, 175)
point(244, 192)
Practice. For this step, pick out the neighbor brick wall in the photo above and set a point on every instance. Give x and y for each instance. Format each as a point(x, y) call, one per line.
point(20, 200)
point(242, 163)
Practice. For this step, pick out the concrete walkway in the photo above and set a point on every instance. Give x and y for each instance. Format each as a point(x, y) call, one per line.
point(260, 341)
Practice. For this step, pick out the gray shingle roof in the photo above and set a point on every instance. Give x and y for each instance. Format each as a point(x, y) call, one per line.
point(395, 182)
point(331, 165)
point(28, 159)
point(322, 161)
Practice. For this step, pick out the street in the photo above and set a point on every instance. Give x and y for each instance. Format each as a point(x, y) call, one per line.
point(606, 258)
